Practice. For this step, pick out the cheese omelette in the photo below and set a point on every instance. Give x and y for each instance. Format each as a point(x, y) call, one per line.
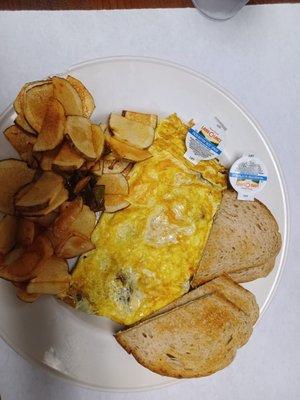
point(146, 254)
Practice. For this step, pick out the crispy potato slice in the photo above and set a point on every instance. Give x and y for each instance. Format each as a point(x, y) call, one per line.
point(8, 232)
point(22, 123)
point(114, 203)
point(124, 150)
point(21, 141)
point(13, 175)
point(146, 119)
point(111, 165)
point(65, 93)
point(74, 246)
point(23, 295)
point(53, 127)
point(47, 159)
point(61, 197)
point(131, 132)
point(88, 104)
point(39, 194)
point(52, 278)
point(68, 214)
point(36, 104)
point(67, 158)
point(97, 169)
point(79, 130)
point(20, 99)
point(21, 266)
point(98, 140)
point(114, 184)
point(26, 232)
point(45, 220)
point(85, 222)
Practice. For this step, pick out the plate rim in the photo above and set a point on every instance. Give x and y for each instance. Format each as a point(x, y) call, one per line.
point(286, 203)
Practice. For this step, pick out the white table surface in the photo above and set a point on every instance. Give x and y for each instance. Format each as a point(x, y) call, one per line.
point(256, 56)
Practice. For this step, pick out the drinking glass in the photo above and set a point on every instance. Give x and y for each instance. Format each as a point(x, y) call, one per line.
point(219, 9)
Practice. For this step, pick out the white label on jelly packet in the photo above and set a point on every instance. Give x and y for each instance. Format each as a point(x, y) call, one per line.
point(248, 176)
point(205, 141)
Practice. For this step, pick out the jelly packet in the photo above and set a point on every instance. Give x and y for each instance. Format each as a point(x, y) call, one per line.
point(205, 141)
point(248, 176)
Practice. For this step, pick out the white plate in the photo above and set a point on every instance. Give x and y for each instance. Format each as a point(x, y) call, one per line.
point(82, 347)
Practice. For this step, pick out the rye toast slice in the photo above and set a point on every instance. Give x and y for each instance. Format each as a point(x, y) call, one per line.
point(244, 235)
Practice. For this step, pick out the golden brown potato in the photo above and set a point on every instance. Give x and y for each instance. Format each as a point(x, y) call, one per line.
point(61, 197)
point(53, 127)
point(114, 184)
point(68, 159)
point(74, 246)
point(22, 123)
point(114, 203)
point(13, 175)
point(112, 165)
point(23, 265)
point(126, 151)
point(21, 141)
point(26, 232)
point(53, 277)
point(45, 220)
point(79, 130)
point(65, 93)
point(85, 222)
point(68, 214)
point(88, 104)
point(38, 195)
point(98, 140)
point(27, 297)
point(131, 132)
point(8, 233)
point(36, 104)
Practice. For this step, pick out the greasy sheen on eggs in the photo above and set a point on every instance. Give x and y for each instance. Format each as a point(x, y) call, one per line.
point(147, 253)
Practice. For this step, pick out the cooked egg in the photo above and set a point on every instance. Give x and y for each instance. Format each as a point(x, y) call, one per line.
point(147, 253)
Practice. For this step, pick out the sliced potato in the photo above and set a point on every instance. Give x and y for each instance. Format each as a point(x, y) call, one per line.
point(74, 246)
point(146, 119)
point(47, 159)
point(124, 150)
point(68, 159)
point(85, 222)
point(111, 165)
point(45, 220)
point(13, 175)
point(68, 214)
point(8, 232)
point(36, 104)
point(40, 193)
point(26, 232)
point(131, 132)
point(22, 123)
point(114, 184)
point(61, 197)
point(114, 203)
point(53, 127)
point(98, 140)
point(65, 93)
point(52, 278)
point(20, 99)
point(21, 141)
point(79, 130)
point(23, 295)
point(21, 266)
point(87, 101)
